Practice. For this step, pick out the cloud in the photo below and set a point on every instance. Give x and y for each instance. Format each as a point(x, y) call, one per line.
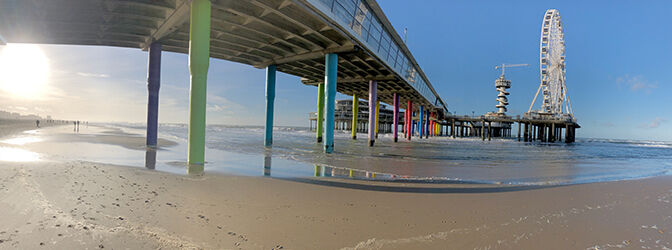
point(655, 123)
point(225, 106)
point(92, 75)
point(637, 83)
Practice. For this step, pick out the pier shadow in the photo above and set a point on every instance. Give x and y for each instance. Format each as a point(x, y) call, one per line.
point(372, 186)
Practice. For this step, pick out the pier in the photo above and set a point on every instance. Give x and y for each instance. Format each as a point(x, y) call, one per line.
point(344, 46)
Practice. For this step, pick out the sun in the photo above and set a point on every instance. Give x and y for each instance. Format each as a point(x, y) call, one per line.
point(24, 71)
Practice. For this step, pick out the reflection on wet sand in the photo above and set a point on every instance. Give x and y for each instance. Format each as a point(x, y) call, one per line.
point(267, 162)
point(17, 155)
point(327, 171)
point(195, 169)
point(150, 158)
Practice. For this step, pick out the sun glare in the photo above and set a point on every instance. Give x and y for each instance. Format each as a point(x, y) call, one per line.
point(24, 71)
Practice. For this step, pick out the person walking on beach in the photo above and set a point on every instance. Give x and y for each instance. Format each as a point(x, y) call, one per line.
point(37, 122)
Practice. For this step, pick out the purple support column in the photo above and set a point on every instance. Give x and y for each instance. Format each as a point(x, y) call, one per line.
point(153, 85)
point(395, 117)
point(373, 86)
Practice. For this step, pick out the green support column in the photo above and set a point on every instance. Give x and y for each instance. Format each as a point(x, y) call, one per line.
point(355, 111)
point(199, 56)
point(320, 112)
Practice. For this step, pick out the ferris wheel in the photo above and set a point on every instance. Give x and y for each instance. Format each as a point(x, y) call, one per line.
point(552, 67)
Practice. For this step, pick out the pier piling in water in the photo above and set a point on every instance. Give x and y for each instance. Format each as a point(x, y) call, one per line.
point(395, 117)
point(355, 115)
point(270, 99)
point(319, 123)
point(377, 117)
point(199, 61)
point(331, 69)
point(153, 85)
point(373, 86)
point(420, 121)
point(409, 123)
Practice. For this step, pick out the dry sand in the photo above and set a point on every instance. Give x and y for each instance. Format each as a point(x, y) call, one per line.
point(66, 205)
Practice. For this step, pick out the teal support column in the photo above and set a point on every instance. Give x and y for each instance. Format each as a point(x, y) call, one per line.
point(270, 98)
point(320, 112)
point(331, 68)
point(199, 56)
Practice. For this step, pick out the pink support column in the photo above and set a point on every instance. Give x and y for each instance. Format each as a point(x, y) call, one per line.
point(409, 121)
point(395, 117)
point(373, 86)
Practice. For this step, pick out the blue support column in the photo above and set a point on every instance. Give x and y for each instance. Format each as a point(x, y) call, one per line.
point(153, 85)
point(420, 120)
point(331, 68)
point(270, 98)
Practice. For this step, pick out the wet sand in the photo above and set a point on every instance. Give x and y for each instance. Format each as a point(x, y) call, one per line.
point(9, 127)
point(77, 204)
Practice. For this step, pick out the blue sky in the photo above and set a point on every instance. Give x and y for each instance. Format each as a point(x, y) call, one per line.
point(618, 69)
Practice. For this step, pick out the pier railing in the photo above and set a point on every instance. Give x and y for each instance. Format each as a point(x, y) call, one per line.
point(363, 21)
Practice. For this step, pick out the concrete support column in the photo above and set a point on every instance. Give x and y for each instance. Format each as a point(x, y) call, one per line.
point(355, 113)
point(270, 99)
point(373, 87)
point(553, 132)
point(452, 129)
point(395, 117)
point(519, 132)
point(482, 132)
point(330, 74)
point(489, 130)
point(153, 85)
point(199, 61)
point(319, 123)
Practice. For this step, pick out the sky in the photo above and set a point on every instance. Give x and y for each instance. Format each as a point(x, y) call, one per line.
point(619, 75)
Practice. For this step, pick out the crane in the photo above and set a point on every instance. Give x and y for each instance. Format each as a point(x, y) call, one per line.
point(504, 66)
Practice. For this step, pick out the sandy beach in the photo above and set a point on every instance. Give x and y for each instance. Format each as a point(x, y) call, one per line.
point(85, 205)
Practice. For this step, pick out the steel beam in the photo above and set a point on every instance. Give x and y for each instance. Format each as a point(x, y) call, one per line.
point(172, 23)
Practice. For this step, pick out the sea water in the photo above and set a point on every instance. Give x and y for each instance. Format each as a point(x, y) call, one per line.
point(295, 152)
